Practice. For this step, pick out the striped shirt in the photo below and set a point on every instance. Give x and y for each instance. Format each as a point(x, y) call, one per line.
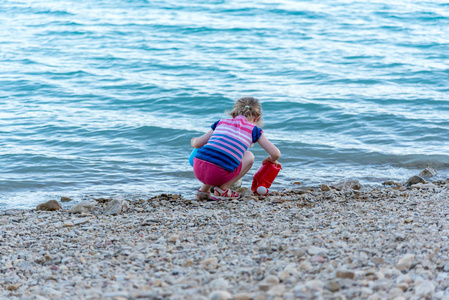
point(229, 142)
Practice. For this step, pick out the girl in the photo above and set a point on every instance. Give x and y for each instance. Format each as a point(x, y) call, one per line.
point(224, 157)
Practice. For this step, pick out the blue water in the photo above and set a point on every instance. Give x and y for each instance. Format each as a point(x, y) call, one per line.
point(99, 98)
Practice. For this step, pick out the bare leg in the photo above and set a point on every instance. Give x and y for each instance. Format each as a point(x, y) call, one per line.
point(204, 192)
point(205, 188)
point(247, 163)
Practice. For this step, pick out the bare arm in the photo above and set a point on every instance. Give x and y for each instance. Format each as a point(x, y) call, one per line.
point(202, 140)
point(272, 150)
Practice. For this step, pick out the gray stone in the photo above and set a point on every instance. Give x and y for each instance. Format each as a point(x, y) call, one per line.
point(173, 238)
point(414, 180)
point(313, 250)
point(348, 185)
point(271, 280)
point(381, 285)
point(11, 212)
point(425, 289)
point(314, 285)
point(220, 295)
point(236, 185)
point(446, 267)
point(67, 224)
point(81, 221)
point(332, 286)
point(405, 262)
point(114, 207)
point(345, 235)
point(428, 172)
point(242, 296)
point(82, 207)
point(317, 259)
point(219, 284)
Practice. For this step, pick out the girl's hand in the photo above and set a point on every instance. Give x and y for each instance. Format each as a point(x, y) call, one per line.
point(273, 161)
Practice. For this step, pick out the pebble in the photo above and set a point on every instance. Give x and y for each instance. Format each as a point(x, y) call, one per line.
point(51, 205)
point(378, 260)
point(345, 274)
point(188, 263)
point(220, 295)
point(405, 278)
point(263, 286)
point(414, 180)
point(325, 188)
point(332, 286)
point(114, 207)
point(209, 262)
point(82, 207)
point(81, 221)
point(13, 287)
point(425, 289)
point(428, 172)
point(297, 244)
point(314, 285)
point(65, 199)
point(237, 185)
point(271, 280)
point(347, 185)
point(242, 296)
point(405, 262)
point(173, 238)
point(317, 251)
point(67, 224)
point(219, 284)
point(317, 259)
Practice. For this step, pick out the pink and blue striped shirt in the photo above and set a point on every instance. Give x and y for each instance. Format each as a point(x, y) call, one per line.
point(229, 142)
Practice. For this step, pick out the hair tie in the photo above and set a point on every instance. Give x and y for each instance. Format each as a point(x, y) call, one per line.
point(247, 106)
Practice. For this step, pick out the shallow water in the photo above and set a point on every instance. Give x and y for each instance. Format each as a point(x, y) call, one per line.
point(103, 98)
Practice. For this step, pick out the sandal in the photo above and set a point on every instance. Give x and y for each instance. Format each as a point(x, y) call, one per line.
point(218, 192)
point(202, 195)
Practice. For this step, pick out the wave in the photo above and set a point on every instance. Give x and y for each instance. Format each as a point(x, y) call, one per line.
point(104, 97)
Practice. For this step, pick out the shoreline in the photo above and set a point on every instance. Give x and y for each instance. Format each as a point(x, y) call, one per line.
point(28, 200)
point(363, 243)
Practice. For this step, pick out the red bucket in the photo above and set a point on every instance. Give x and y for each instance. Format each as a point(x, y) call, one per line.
point(264, 177)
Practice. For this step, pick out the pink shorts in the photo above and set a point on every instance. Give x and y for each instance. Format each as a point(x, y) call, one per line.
point(211, 174)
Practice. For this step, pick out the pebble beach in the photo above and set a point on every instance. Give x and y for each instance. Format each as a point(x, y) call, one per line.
point(329, 242)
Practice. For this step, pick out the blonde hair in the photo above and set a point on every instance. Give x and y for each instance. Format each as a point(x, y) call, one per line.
point(249, 107)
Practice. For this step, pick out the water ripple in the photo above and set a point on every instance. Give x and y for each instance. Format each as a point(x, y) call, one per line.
point(104, 97)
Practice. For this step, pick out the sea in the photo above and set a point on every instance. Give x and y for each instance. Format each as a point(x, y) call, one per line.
point(101, 98)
